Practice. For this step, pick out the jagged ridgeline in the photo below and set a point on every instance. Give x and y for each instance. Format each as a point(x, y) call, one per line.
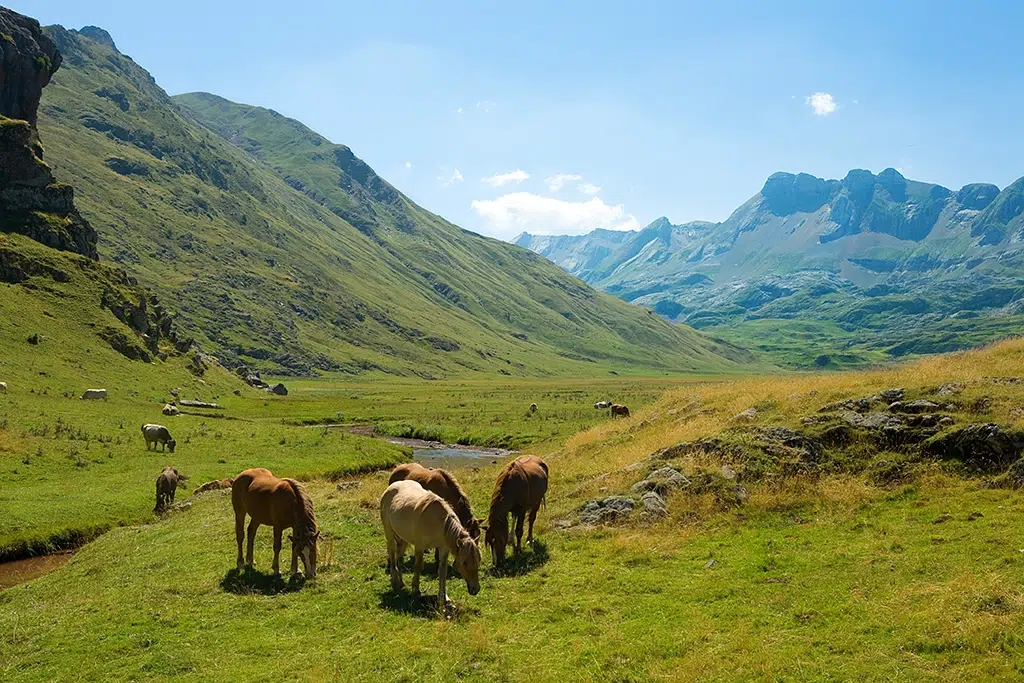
point(279, 249)
point(55, 298)
point(826, 272)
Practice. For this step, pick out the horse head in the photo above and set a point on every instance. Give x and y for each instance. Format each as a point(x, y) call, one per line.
point(474, 528)
point(496, 538)
point(467, 562)
point(304, 542)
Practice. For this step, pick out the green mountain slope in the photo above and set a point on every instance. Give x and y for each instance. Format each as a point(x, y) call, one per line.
point(287, 252)
point(828, 272)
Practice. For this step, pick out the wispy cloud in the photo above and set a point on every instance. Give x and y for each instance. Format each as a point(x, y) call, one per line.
point(459, 110)
point(486, 105)
point(513, 213)
point(822, 103)
point(557, 181)
point(516, 176)
point(588, 188)
point(408, 164)
point(452, 178)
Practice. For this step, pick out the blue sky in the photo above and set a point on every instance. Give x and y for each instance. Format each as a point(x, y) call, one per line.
point(604, 114)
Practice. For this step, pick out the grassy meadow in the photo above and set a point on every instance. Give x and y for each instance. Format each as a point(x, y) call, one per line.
point(830, 575)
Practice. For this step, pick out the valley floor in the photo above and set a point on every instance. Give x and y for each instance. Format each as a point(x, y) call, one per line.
point(874, 563)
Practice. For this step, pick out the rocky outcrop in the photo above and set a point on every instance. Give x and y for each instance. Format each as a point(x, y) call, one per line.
point(32, 202)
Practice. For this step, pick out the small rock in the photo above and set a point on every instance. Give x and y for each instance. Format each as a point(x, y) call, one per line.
point(892, 395)
point(343, 485)
point(740, 493)
point(951, 389)
point(605, 510)
point(710, 563)
point(728, 473)
point(653, 504)
point(973, 516)
point(746, 415)
point(942, 518)
point(918, 406)
point(946, 421)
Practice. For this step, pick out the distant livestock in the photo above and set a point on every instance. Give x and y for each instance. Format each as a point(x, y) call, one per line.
point(533, 408)
point(621, 411)
point(94, 395)
point(3, 387)
point(414, 516)
point(170, 409)
point(166, 484)
point(214, 485)
point(158, 434)
point(282, 504)
point(601, 405)
point(519, 490)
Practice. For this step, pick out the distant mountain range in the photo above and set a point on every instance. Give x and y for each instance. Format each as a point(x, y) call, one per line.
point(826, 272)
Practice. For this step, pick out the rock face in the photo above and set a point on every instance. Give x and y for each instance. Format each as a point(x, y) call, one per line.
point(981, 447)
point(610, 509)
point(32, 203)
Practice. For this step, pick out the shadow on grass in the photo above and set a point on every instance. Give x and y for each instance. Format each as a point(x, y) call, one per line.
point(250, 581)
point(525, 562)
point(406, 602)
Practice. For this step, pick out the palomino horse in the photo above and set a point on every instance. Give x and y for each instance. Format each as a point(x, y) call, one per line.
point(413, 515)
point(520, 488)
point(282, 504)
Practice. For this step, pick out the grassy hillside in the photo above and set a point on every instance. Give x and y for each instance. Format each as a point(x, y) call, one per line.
point(865, 561)
point(297, 283)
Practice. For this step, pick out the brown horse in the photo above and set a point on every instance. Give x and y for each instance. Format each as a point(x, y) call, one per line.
point(619, 411)
point(282, 504)
point(520, 489)
point(443, 484)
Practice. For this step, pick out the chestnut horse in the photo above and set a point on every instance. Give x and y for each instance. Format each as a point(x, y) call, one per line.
point(520, 489)
point(418, 517)
point(282, 504)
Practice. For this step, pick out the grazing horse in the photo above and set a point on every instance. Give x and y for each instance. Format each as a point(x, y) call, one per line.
point(620, 411)
point(520, 489)
point(443, 484)
point(418, 517)
point(166, 485)
point(282, 504)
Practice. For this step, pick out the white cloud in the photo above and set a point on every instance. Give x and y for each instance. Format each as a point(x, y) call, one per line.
point(588, 188)
point(822, 103)
point(450, 179)
point(408, 164)
point(556, 181)
point(513, 213)
point(486, 105)
point(459, 110)
point(516, 176)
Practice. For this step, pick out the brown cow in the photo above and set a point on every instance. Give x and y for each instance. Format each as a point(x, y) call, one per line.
point(619, 410)
point(520, 489)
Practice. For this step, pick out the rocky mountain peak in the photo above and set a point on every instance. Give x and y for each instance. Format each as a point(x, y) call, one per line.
point(29, 59)
point(976, 196)
point(786, 193)
point(99, 35)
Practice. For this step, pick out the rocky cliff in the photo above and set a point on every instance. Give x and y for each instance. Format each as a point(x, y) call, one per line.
point(32, 202)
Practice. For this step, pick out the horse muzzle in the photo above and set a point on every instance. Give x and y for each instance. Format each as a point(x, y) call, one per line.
point(473, 589)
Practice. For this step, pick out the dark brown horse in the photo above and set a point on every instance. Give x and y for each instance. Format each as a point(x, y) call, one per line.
point(282, 504)
point(520, 489)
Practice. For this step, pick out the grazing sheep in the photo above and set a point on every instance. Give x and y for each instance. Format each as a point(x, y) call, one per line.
point(170, 409)
point(601, 405)
point(618, 410)
point(94, 394)
point(166, 484)
point(533, 408)
point(3, 387)
point(158, 434)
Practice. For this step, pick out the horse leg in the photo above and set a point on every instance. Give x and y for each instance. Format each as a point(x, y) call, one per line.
point(295, 559)
point(253, 526)
point(240, 534)
point(396, 548)
point(442, 575)
point(417, 570)
point(277, 550)
point(529, 531)
point(520, 518)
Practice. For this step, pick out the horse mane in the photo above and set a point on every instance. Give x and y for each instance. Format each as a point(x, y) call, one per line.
point(462, 507)
point(304, 514)
point(455, 534)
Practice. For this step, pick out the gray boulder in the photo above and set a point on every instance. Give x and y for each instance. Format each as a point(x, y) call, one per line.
point(279, 389)
point(653, 505)
point(610, 509)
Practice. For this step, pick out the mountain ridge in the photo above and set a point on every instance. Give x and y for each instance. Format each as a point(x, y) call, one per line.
point(806, 249)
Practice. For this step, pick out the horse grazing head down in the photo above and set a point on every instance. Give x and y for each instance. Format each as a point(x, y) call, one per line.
point(467, 562)
point(474, 529)
point(304, 544)
point(496, 538)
